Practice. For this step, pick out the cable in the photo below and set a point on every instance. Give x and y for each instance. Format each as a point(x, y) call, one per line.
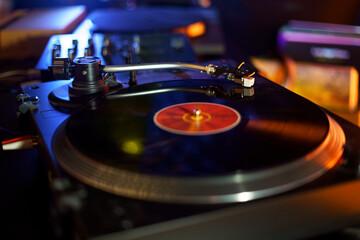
point(10, 131)
point(16, 139)
point(12, 73)
point(23, 142)
point(240, 65)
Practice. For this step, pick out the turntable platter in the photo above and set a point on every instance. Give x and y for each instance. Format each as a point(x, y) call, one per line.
point(188, 147)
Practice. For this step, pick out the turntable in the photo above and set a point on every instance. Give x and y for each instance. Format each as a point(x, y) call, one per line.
point(216, 157)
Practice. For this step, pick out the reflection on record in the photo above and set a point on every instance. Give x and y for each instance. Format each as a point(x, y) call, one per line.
point(189, 147)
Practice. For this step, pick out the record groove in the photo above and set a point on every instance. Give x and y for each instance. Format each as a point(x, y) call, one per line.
point(258, 157)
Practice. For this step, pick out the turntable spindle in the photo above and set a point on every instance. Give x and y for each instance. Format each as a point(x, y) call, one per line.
point(196, 114)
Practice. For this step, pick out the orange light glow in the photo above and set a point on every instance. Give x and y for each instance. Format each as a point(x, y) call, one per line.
point(331, 163)
point(354, 89)
point(193, 30)
point(289, 130)
point(205, 3)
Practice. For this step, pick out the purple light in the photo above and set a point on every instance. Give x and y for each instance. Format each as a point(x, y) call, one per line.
point(304, 37)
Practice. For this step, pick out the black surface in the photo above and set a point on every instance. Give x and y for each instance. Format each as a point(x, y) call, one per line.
point(261, 140)
point(24, 201)
point(24, 204)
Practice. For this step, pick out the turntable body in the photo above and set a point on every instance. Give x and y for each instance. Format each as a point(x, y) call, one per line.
point(291, 188)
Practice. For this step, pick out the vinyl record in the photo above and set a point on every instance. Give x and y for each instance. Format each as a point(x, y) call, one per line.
point(184, 146)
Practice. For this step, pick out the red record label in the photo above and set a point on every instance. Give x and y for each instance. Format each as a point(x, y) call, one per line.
point(197, 118)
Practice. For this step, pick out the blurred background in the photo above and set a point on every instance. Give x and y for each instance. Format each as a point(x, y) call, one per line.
point(305, 45)
point(250, 27)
